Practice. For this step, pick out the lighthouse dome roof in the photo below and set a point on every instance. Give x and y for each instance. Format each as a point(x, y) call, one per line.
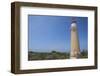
point(73, 25)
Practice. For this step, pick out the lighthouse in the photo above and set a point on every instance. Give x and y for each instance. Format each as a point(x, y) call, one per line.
point(75, 48)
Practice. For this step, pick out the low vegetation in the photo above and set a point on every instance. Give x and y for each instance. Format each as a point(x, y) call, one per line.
point(53, 55)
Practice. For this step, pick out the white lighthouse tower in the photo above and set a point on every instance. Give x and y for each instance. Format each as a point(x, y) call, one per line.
point(75, 48)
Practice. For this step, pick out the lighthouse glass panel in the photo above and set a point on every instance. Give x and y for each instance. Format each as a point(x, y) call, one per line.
point(57, 37)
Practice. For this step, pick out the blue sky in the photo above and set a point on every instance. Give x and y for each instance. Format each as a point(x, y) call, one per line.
point(46, 33)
